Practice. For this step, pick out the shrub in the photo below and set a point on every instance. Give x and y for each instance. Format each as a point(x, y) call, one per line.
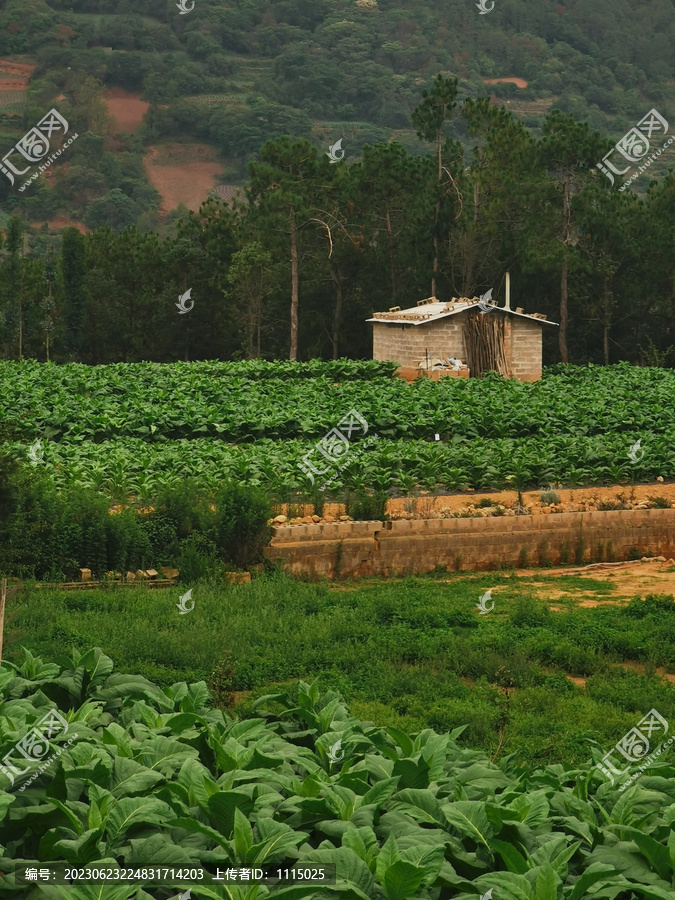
point(198, 558)
point(240, 528)
point(659, 502)
point(548, 497)
point(527, 613)
point(364, 506)
point(656, 605)
point(221, 682)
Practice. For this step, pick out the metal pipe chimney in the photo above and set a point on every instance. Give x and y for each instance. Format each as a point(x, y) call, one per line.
point(507, 304)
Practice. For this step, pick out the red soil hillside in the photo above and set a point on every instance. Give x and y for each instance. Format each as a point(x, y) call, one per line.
point(182, 173)
point(519, 82)
point(126, 109)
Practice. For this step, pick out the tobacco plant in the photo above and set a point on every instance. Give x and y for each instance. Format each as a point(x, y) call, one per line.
point(159, 776)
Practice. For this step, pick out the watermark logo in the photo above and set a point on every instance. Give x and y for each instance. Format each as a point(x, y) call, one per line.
point(487, 896)
point(34, 147)
point(183, 603)
point(483, 10)
point(634, 746)
point(35, 452)
point(185, 896)
point(335, 152)
point(35, 745)
point(182, 308)
point(482, 604)
point(335, 447)
point(185, 9)
point(485, 303)
point(334, 755)
point(635, 453)
point(634, 146)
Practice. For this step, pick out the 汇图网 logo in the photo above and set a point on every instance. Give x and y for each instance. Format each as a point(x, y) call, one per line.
point(34, 147)
point(485, 303)
point(634, 146)
point(182, 308)
point(183, 603)
point(334, 755)
point(483, 603)
point(335, 152)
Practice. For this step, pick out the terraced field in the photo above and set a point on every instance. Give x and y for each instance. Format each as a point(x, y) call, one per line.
point(134, 428)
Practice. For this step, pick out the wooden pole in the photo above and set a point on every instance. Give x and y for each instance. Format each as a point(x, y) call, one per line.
point(3, 597)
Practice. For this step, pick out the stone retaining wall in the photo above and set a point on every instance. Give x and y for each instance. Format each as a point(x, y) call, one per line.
point(361, 549)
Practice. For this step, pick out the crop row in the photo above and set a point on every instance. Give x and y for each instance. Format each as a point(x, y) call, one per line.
point(144, 774)
point(132, 465)
point(188, 400)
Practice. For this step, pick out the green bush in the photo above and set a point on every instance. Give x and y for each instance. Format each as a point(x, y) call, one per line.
point(240, 528)
point(548, 497)
point(364, 506)
point(655, 605)
point(527, 613)
point(46, 534)
point(198, 559)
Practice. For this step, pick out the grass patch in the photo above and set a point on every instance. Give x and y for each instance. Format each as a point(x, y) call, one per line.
point(412, 652)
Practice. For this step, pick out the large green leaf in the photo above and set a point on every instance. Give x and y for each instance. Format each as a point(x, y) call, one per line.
point(221, 807)
point(130, 777)
point(547, 883)
point(132, 811)
point(401, 880)
point(470, 818)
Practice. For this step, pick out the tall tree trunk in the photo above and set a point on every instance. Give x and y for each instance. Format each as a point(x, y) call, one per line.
point(20, 328)
point(294, 287)
point(437, 215)
point(392, 257)
point(47, 348)
point(337, 312)
point(562, 334)
point(471, 238)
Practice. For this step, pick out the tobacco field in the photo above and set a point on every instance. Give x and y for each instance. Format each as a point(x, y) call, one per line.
point(134, 429)
point(160, 774)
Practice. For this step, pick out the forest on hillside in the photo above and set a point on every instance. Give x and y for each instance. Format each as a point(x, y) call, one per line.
point(237, 74)
point(314, 248)
point(358, 59)
point(327, 245)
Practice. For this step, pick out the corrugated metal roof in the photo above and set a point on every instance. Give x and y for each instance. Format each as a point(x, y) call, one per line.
point(432, 310)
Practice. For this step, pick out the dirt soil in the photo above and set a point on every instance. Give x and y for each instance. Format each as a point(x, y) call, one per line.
point(126, 109)
point(182, 173)
point(579, 499)
point(21, 72)
point(571, 500)
point(627, 579)
point(519, 82)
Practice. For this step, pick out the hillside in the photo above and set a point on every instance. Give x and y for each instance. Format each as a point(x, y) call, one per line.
point(234, 75)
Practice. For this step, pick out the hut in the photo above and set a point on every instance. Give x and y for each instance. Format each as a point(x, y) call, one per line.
point(462, 338)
